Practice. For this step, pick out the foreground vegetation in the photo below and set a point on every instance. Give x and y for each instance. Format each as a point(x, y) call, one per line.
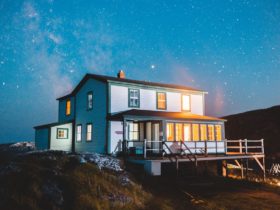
point(56, 180)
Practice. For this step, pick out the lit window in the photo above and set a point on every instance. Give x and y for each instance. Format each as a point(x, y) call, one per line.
point(211, 132)
point(68, 107)
point(195, 132)
point(89, 132)
point(133, 131)
point(170, 131)
point(218, 129)
point(62, 133)
point(89, 100)
point(179, 132)
point(187, 132)
point(203, 132)
point(186, 103)
point(79, 132)
point(134, 98)
point(161, 100)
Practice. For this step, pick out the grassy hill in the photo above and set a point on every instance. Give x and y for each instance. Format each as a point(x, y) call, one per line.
point(55, 180)
point(257, 124)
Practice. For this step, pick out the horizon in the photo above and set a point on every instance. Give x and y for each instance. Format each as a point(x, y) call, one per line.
point(229, 49)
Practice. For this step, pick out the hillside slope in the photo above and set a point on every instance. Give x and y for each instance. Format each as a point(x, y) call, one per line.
point(257, 124)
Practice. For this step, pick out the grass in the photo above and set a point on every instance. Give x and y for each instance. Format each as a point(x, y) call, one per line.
point(56, 181)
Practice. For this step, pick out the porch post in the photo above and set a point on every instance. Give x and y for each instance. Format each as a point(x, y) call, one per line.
point(124, 137)
point(163, 137)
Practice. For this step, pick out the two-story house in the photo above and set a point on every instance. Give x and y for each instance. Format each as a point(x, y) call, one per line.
point(101, 111)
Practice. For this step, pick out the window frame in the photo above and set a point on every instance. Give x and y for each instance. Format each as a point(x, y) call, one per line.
point(66, 113)
point(64, 129)
point(88, 94)
point(182, 102)
point(165, 104)
point(80, 133)
point(129, 95)
point(89, 140)
point(133, 131)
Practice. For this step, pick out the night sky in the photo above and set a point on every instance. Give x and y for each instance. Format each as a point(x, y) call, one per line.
point(229, 48)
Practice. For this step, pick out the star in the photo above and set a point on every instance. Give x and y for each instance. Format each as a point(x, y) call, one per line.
point(153, 66)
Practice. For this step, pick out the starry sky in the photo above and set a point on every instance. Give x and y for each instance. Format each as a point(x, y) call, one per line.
point(229, 48)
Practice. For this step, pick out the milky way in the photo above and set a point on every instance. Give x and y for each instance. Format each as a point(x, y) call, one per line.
point(229, 48)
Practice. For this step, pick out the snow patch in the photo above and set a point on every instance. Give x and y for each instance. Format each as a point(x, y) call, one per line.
point(102, 161)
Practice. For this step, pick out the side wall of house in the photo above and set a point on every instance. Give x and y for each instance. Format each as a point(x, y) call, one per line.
point(64, 144)
point(42, 138)
point(96, 116)
point(62, 117)
point(148, 99)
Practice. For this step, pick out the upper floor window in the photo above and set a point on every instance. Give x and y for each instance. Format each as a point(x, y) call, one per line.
point(68, 107)
point(133, 98)
point(62, 133)
point(186, 103)
point(89, 132)
point(79, 132)
point(161, 100)
point(89, 100)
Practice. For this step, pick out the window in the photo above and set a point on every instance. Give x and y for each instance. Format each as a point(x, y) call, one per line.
point(187, 132)
point(133, 98)
point(179, 132)
point(79, 132)
point(68, 107)
point(89, 132)
point(195, 132)
point(186, 103)
point(62, 133)
point(218, 131)
point(211, 132)
point(89, 100)
point(161, 100)
point(203, 132)
point(133, 131)
point(170, 131)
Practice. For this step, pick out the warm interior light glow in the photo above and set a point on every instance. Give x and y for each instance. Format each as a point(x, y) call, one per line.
point(68, 107)
point(211, 132)
point(218, 130)
point(203, 132)
point(161, 100)
point(187, 132)
point(195, 132)
point(179, 132)
point(186, 105)
point(170, 131)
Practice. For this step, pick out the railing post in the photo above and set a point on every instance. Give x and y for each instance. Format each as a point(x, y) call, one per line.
point(240, 146)
point(225, 145)
point(144, 148)
point(246, 146)
point(205, 146)
point(262, 146)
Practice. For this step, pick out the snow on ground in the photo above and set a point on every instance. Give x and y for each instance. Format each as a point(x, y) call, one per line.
point(102, 161)
point(22, 146)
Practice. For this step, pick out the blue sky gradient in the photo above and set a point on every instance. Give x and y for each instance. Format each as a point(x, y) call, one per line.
point(229, 48)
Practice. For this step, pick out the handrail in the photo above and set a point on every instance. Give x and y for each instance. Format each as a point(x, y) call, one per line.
point(191, 148)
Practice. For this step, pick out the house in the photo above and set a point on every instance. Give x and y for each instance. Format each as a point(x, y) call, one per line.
point(108, 115)
point(100, 109)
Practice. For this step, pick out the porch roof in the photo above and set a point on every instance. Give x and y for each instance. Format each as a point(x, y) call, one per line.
point(148, 114)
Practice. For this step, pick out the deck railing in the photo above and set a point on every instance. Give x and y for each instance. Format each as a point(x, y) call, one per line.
point(164, 148)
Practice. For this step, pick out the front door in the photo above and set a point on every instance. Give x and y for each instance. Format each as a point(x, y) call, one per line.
point(156, 137)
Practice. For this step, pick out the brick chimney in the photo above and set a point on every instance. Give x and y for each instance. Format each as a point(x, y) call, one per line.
point(121, 74)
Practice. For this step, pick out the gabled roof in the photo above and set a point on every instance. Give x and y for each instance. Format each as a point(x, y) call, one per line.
point(162, 114)
point(104, 78)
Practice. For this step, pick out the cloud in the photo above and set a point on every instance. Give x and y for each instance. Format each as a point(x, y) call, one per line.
point(55, 38)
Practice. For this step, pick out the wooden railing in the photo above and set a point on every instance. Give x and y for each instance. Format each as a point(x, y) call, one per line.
point(244, 146)
point(190, 148)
